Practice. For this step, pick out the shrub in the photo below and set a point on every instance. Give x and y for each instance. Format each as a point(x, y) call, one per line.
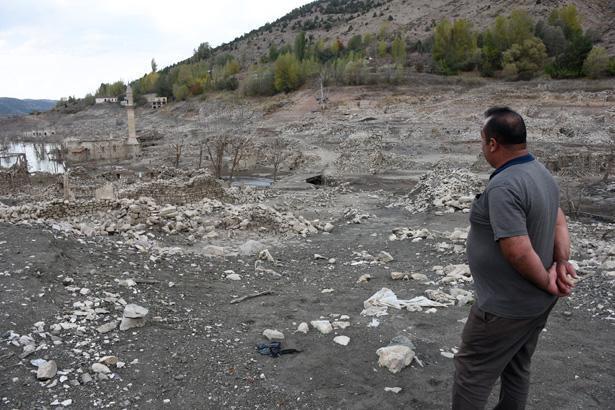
point(596, 64)
point(528, 58)
point(454, 46)
point(287, 74)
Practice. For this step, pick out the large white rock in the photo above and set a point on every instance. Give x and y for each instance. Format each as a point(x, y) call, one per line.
point(134, 311)
point(100, 368)
point(47, 370)
point(107, 327)
point(233, 276)
point(323, 326)
point(303, 328)
point(395, 357)
point(273, 334)
point(342, 340)
point(128, 323)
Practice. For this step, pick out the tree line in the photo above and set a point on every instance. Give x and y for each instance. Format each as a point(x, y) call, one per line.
point(513, 47)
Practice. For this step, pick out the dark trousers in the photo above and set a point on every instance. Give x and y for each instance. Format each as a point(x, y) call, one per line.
point(492, 347)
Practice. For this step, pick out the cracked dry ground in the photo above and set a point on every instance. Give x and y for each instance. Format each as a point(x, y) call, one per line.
point(198, 351)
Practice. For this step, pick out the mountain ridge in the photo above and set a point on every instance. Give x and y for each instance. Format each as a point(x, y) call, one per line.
point(15, 106)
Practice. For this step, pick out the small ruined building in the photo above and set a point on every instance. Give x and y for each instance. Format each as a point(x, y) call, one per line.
point(110, 148)
point(106, 149)
point(101, 100)
point(39, 133)
point(13, 172)
point(155, 101)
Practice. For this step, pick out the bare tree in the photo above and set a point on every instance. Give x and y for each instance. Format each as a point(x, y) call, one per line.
point(276, 152)
point(322, 93)
point(227, 131)
point(178, 147)
point(610, 161)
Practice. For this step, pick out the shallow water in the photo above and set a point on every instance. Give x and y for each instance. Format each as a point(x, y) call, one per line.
point(40, 156)
point(259, 182)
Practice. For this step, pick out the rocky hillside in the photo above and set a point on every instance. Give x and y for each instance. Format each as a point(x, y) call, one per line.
point(15, 106)
point(331, 19)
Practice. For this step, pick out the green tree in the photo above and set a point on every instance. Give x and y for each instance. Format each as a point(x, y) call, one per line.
point(610, 70)
point(154, 65)
point(505, 31)
point(569, 64)
point(382, 48)
point(273, 53)
point(552, 36)
point(203, 52)
point(180, 91)
point(398, 50)
point(596, 64)
point(300, 43)
point(568, 19)
point(287, 73)
point(527, 58)
point(491, 55)
point(454, 46)
point(355, 43)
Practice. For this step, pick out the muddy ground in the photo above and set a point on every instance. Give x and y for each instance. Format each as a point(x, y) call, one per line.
point(199, 351)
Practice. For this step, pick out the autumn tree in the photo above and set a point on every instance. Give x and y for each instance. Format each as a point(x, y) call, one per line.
point(523, 61)
point(596, 64)
point(287, 73)
point(454, 46)
point(398, 50)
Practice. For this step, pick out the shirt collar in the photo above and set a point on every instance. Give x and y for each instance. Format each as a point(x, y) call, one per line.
point(519, 160)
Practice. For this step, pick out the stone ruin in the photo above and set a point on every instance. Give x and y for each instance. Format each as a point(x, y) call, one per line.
point(16, 176)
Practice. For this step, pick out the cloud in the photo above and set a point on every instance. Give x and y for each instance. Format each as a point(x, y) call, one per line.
point(55, 48)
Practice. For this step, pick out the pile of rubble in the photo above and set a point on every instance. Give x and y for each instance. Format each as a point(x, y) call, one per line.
point(444, 189)
point(137, 216)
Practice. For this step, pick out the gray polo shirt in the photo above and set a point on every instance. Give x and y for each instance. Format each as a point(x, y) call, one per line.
point(520, 199)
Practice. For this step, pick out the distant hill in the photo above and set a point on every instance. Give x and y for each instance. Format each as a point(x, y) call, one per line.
point(14, 106)
point(415, 19)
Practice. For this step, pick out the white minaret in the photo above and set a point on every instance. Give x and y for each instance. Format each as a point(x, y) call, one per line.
point(130, 110)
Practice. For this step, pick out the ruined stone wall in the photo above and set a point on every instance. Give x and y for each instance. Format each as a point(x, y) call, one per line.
point(78, 151)
point(577, 164)
point(177, 192)
point(59, 209)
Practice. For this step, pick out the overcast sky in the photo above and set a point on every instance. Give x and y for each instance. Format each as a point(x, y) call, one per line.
point(56, 48)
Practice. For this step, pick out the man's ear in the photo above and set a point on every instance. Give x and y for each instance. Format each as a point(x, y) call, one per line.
point(493, 145)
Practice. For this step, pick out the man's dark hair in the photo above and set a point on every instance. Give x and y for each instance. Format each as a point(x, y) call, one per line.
point(505, 126)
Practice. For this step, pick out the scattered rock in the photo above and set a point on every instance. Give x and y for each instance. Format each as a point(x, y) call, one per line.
point(107, 327)
point(303, 328)
point(109, 360)
point(47, 370)
point(133, 311)
point(342, 340)
point(385, 257)
point(272, 334)
point(366, 277)
point(393, 389)
point(233, 276)
point(323, 326)
point(100, 368)
point(419, 276)
point(399, 275)
point(397, 355)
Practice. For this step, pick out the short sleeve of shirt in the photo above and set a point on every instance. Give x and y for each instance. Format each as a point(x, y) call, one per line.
point(506, 213)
